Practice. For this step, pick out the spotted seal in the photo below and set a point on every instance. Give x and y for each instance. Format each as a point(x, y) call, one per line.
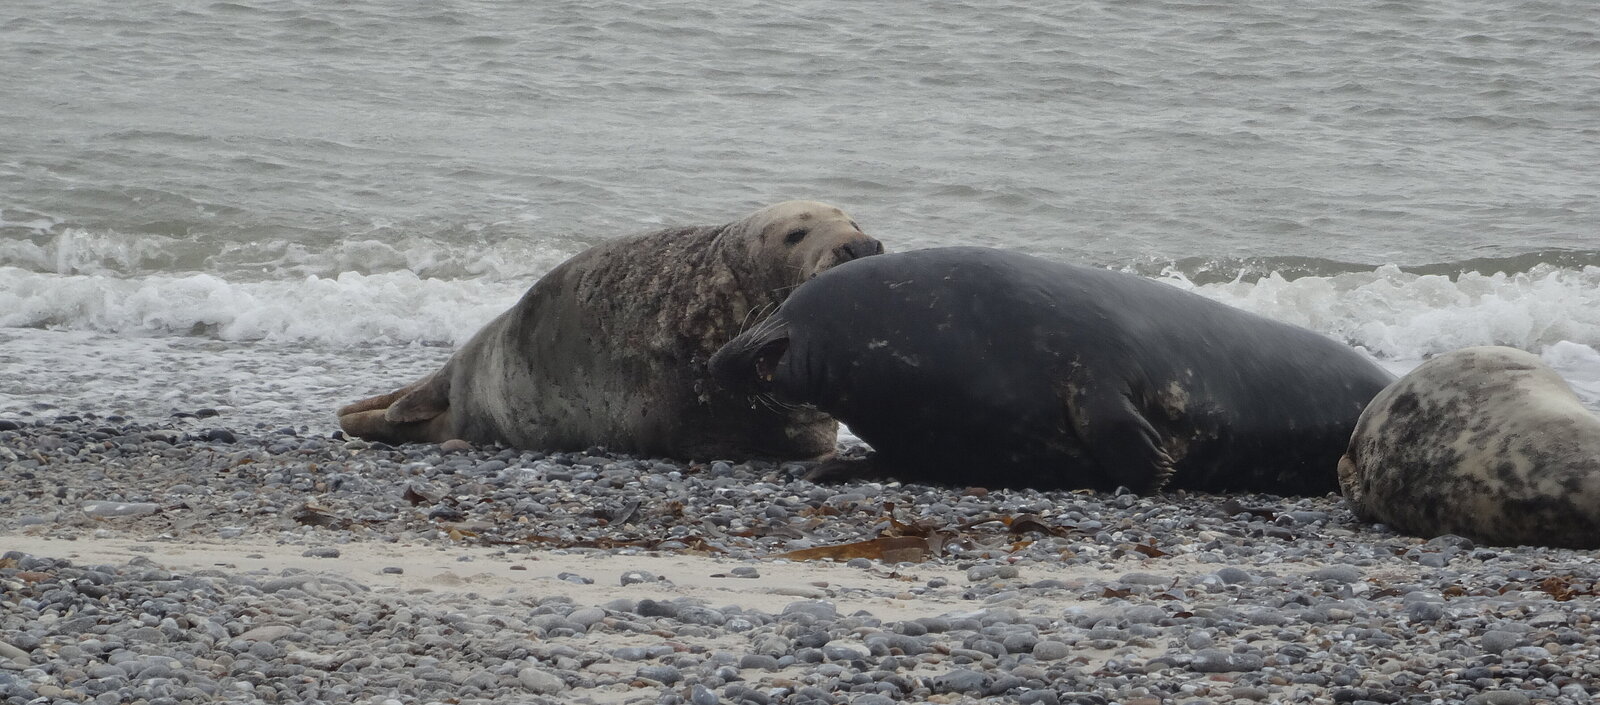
point(1482, 442)
point(977, 366)
point(609, 348)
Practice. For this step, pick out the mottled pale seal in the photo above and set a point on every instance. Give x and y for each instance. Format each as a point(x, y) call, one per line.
point(610, 348)
point(1486, 443)
point(976, 366)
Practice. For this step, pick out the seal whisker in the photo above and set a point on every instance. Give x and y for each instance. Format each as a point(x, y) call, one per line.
point(775, 404)
point(744, 323)
point(759, 314)
point(765, 401)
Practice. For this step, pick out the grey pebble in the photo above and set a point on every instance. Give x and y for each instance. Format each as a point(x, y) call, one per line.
point(635, 577)
point(845, 651)
point(1051, 650)
point(1219, 661)
point(15, 654)
point(1425, 611)
point(540, 681)
point(271, 632)
point(481, 679)
point(1247, 693)
point(630, 653)
point(961, 681)
point(992, 572)
point(761, 661)
point(586, 616)
point(701, 695)
point(1547, 620)
point(574, 578)
point(1500, 697)
point(662, 674)
point(1337, 574)
point(106, 510)
point(1234, 576)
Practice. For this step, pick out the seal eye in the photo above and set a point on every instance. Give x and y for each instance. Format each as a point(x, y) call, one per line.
point(795, 236)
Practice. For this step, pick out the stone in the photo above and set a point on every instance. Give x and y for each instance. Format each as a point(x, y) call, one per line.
point(540, 681)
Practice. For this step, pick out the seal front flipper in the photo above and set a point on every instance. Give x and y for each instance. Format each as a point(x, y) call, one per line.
point(1119, 438)
point(847, 469)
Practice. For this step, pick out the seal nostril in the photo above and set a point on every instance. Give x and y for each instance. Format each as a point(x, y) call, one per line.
point(856, 249)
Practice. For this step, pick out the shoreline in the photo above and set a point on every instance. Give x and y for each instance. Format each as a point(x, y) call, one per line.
point(511, 568)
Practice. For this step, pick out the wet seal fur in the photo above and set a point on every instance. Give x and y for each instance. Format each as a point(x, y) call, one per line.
point(1483, 442)
point(610, 347)
point(975, 366)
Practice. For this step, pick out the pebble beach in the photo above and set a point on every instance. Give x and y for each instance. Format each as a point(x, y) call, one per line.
point(187, 560)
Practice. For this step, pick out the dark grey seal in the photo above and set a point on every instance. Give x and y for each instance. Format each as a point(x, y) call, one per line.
point(1484, 442)
point(975, 366)
point(610, 348)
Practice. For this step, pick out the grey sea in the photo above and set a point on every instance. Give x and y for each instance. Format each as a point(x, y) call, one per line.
point(270, 208)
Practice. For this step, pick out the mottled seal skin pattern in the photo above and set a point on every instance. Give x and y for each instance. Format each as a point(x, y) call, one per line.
point(610, 348)
point(976, 366)
point(1483, 442)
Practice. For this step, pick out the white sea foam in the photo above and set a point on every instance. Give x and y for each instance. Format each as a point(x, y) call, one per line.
point(1401, 316)
point(49, 372)
point(1392, 314)
point(396, 307)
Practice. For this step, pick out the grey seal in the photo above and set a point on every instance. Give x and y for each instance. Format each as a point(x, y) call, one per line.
point(1485, 442)
point(610, 347)
point(977, 366)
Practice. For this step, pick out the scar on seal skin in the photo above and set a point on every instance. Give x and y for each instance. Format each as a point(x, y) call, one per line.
point(1484, 442)
point(609, 348)
point(977, 366)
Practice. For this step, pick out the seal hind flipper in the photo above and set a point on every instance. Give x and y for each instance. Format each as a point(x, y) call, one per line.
point(1121, 440)
point(424, 400)
point(379, 403)
point(415, 413)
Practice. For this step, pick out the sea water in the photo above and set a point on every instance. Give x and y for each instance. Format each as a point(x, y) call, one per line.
point(271, 208)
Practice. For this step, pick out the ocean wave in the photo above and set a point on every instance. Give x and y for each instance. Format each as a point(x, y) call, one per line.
point(1406, 315)
point(1392, 313)
point(1217, 270)
point(458, 255)
point(352, 308)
